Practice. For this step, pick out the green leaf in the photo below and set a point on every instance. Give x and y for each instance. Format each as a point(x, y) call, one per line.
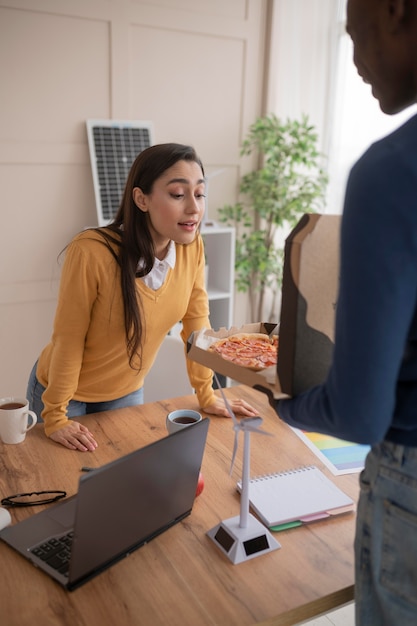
point(290, 181)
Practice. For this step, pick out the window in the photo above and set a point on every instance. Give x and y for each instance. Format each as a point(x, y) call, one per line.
point(357, 120)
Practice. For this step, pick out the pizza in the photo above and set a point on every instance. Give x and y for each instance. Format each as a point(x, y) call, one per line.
point(255, 351)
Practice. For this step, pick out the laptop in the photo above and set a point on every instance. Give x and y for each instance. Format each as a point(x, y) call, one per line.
point(118, 508)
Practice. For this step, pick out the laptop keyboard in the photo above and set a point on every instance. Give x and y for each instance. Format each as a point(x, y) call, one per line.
point(56, 552)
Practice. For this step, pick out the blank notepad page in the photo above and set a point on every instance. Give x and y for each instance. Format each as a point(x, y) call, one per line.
point(294, 494)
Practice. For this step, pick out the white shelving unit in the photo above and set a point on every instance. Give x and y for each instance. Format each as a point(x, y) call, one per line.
point(219, 246)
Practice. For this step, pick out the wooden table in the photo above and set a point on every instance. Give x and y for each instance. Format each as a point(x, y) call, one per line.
point(180, 577)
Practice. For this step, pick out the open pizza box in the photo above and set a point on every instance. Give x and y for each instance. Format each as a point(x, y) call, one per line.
point(306, 328)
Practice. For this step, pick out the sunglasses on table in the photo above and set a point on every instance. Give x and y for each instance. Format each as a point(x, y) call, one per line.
point(34, 498)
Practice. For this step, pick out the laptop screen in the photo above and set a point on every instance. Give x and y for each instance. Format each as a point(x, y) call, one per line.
point(122, 505)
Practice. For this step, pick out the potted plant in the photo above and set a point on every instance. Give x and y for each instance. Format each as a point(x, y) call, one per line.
point(290, 181)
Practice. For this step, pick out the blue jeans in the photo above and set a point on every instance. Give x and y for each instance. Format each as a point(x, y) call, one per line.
point(386, 538)
point(75, 408)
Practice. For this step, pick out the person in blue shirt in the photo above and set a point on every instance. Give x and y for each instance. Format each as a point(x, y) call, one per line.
point(370, 393)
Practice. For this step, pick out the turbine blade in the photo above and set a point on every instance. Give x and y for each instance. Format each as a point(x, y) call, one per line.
point(234, 450)
point(228, 407)
point(254, 425)
point(255, 429)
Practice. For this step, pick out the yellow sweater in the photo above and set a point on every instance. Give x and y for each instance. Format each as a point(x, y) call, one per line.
point(87, 358)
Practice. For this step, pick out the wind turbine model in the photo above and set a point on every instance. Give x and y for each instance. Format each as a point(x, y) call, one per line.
point(243, 537)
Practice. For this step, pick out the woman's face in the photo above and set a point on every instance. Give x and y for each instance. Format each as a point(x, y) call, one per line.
point(175, 205)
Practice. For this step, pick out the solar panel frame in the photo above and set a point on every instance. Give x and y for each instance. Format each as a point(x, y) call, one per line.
point(113, 146)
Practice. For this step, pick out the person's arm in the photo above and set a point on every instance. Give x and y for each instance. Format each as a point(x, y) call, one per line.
point(195, 318)
point(378, 288)
point(77, 293)
point(201, 377)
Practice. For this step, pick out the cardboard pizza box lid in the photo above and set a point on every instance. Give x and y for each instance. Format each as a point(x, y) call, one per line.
point(306, 328)
point(310, 287)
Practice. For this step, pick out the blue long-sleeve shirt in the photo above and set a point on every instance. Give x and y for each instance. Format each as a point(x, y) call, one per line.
point(371, 390)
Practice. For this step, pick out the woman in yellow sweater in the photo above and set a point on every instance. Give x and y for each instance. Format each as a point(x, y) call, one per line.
point(123, 287)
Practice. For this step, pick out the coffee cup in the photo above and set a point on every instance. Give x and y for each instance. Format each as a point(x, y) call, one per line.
point(5, 518)
point(15, 419)
point(176, 420)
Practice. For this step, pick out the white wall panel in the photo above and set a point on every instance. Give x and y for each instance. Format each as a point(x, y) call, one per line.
point(51, 205)
point(220, 8)
point(55, 71)
point(191, 87)
point(192, 67)
point(23, 328)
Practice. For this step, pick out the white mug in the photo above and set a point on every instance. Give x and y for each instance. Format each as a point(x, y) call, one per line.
point(14, 419)
point(5, 518)
point(176, 420)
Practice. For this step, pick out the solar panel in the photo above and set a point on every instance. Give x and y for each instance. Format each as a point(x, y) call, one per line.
point(114, 145)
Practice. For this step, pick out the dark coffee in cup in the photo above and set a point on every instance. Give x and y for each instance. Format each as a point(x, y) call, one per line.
point(10, 406)
point(184, 420)
point(181, 418)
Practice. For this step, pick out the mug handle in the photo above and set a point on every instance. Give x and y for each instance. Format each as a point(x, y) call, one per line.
point(34, 420)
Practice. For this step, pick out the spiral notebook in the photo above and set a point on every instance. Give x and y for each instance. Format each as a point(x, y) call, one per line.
point(295, 497)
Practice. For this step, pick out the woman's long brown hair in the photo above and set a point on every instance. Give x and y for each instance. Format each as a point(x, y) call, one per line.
point(129, 239)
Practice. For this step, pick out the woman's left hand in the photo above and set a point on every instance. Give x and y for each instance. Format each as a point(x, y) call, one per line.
point(239, 407)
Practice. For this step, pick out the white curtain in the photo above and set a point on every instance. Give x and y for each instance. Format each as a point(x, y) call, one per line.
point(312, 72)
point(303, 59)
point(357, 121)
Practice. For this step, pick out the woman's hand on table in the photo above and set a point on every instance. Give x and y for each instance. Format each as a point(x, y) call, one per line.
point(239, 407)
point(75, 436)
